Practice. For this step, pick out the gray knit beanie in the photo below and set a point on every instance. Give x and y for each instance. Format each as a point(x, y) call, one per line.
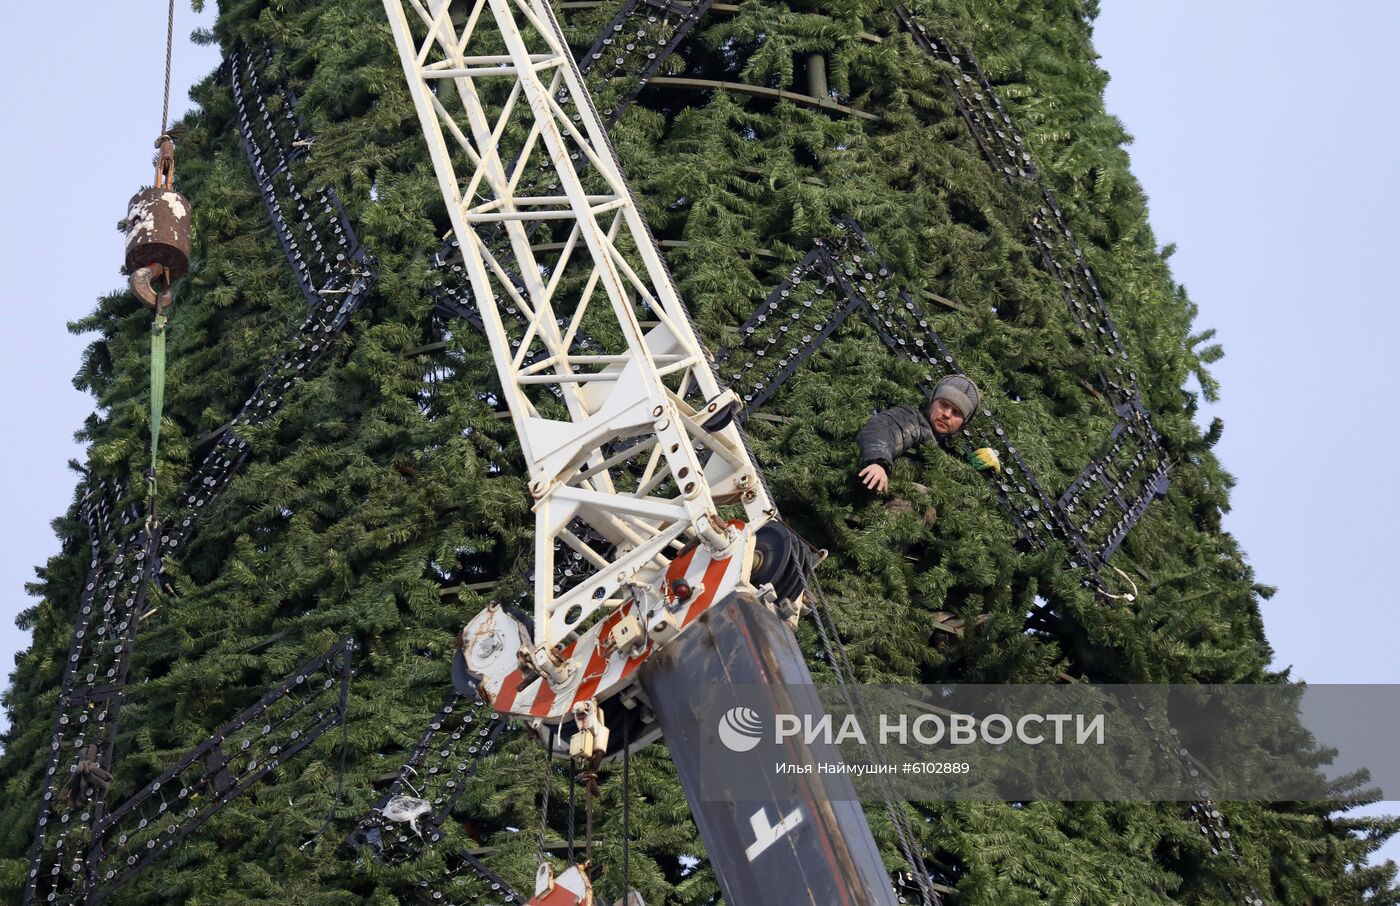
point(961, 392)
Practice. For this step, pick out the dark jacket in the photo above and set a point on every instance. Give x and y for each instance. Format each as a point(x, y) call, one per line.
point(894, 432)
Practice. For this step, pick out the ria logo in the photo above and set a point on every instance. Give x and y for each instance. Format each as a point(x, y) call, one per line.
point(740, 729)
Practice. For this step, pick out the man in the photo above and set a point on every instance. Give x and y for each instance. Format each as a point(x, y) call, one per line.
point(896, 431)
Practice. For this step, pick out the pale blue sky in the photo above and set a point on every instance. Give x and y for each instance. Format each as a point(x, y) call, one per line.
point(1265, 137)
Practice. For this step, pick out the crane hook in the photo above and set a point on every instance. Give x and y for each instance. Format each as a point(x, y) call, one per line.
point(158, 233)
point(142, 280)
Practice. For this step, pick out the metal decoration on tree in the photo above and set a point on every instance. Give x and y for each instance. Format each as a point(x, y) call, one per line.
point(85, 862)
point(89, 705)
point(449, 755)
point(635, 45)
point(113, 603)
point(311, 225)
point(785, 330)
point(842, 274)
point(907, 331)
point(334, 293)
point(1114, 490)
point(286, 720)
point(1133, 470)
point(99, 508)
point(498, 891)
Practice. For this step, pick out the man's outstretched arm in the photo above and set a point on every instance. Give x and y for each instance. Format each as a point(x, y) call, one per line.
point(887, 436)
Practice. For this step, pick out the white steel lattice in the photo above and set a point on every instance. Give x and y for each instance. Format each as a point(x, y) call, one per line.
point(621, 465)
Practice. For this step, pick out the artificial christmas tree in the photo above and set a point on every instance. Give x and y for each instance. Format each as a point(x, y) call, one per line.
point(846, 171)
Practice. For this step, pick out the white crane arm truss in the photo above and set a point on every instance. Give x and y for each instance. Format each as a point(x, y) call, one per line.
point(618, 449)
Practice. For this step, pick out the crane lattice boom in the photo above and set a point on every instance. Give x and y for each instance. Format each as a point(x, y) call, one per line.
point(628, 437)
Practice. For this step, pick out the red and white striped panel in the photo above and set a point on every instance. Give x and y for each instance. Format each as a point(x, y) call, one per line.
point(602, 675)
point(569, 889)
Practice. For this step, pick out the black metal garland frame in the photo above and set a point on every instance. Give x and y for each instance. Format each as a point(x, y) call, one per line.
point(491, 888)
point(99, 510)
point(803, 309)
point(114, 596)
point(89, 866)
point(211, 775)
point(1173, 756)
point(336, 275)
point(460, 735)
point(1133, 470)
point(312, 227)
point(844, 274)
point(1108, 498)
point(635, 45)
point(89, 704)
